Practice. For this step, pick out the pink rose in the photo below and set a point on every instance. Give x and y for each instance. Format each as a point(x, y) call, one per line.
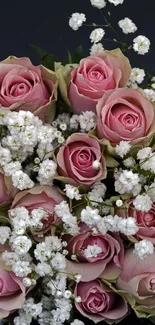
point(26, 87)
point(99, 302)
point(7, 191)
point(12, 293)
point(94, 76)
point(125, 114)
point(75, 160)
point(45, 197)
point(145, 221)
point(109, 261)
point(138, 279)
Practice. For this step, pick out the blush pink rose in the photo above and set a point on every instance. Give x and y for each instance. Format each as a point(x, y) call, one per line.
point(99, 302)
point(7, 191)
point(125, 114)
point(145, 221)
point(138, 279)
point(75, 160)
point(108, 261)
point(94, 76)
point(45, 197)
point(26, 87)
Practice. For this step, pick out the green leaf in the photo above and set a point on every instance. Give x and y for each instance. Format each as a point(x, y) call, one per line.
point(76, 56)
point(46, 59)
point(110, 161)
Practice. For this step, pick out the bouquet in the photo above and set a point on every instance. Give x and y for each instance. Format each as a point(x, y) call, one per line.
point(77, 184)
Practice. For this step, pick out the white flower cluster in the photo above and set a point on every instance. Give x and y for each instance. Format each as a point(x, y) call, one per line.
point(25, 132)
point(97, 35)
point(70, 222)
point(136, 77)
point(127, 25)
point(143, 249)
point(142, 203)
point(4, 234)
point(115, 223)
point(127, 182)
point(100, 4)
point(123, 148)
point(85, 121)
point(146, 159)
point(77, 20)
point(141, 44)
point(72, 192)
point(116, 2)
point(96, 49)
point(97, 193)
point(150, 94)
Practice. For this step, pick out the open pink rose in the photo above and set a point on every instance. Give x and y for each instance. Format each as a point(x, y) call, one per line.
point(12, 293)
point(7, 191)
point(109, 260)
point(145, 221)
point(45, 197)
point(99, 302)
point(75, 160)
point(125, 114)
point(26, 87)
point(94, 76)
point(138, 279)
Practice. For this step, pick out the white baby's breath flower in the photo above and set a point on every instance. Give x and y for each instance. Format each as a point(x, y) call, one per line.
point(92, 251)
point(96, 49)
point(100, 4)
point(142, 203)
point(137, 75)
point(150, 94)
point(76, 20)
point(143, 249)
point(116, 2)
point(123, 148)
point(96, 35)
point(72, 192)
point(141, 44)
point(127, 25)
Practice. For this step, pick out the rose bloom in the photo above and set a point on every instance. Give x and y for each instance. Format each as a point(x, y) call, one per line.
point(7, 191)
point(125, 114)
point(138, 279)
point(75, 160)
point(94, 76)
point(12, 290)
point(99, 302)
point(26, 87)
point(145, 221)
point(107, 263)
point(45, 197)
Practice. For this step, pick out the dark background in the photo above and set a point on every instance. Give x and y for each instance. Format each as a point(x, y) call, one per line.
point(45, 24)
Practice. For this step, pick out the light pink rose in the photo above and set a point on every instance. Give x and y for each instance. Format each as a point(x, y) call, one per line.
point(125, 114)
point(12, 293)
point(76, 157)
point(7, 191)
point(45, 197)
point(99, 302)
point(26, 87)
point(109, 260)
point(138, 279)
point(94, 76)
point(145, 221)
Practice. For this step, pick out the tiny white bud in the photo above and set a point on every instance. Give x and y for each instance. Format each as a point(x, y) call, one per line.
point(96, 164)
point(59, 293)
point(27, 282)
point(73, 257)
point(77, 277)
point(78, 299)
point(119, 203)
point(67, 294)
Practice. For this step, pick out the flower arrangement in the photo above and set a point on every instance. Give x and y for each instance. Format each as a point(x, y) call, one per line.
point(77, 184)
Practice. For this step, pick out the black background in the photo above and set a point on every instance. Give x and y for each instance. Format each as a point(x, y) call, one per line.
point(45, 24)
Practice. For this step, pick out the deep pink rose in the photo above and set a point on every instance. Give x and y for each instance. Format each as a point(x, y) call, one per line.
point(125, 114)
point(12, 293)
point(45, 197)
point(26, 87)
point(109, 260)
point(7, 191)
point(94, 76)
point(76, 157)
point(138, 279)
point(99, 302)
point(145, 221)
